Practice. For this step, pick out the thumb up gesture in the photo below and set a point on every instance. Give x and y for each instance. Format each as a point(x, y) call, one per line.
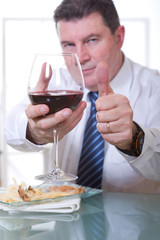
point(114, 113)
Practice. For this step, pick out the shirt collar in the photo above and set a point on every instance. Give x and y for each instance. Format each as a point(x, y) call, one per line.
point(121, 83)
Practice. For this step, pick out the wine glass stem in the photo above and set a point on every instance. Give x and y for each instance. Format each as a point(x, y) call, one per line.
point(55, 134)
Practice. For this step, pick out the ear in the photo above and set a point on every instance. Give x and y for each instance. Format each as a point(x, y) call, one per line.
point(119, 35)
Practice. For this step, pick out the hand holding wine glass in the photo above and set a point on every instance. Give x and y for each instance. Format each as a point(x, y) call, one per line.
point(57, 81)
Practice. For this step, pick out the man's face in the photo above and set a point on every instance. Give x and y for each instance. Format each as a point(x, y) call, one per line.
point(93, 42)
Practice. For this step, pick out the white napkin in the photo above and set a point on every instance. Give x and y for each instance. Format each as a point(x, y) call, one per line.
point(61, 206)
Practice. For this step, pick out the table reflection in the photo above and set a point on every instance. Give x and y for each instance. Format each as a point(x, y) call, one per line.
point(132, 216)
point(106, 216)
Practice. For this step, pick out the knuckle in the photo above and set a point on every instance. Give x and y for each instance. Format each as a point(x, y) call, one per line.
point(99, 116)
point(129, 113)
point(42, 125)
point(42, 133)
point(123, 100)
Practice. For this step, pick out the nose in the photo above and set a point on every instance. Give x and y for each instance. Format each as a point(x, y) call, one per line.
point(83, 53)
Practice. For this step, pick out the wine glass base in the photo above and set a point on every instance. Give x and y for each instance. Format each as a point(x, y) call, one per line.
point(56, 177)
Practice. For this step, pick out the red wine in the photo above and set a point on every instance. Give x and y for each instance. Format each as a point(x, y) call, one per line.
point(57, 100)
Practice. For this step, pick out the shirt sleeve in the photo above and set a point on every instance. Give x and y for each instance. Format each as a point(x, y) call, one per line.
point(148, 163)
point(145, 98)
point(15, 129)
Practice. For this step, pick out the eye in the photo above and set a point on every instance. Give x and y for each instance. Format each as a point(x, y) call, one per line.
point(92, 41)
point(67, 45)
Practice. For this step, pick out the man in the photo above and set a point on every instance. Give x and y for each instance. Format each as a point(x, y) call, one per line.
point(127, 113)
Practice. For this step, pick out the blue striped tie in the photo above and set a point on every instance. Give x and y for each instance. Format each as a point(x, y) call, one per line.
point(92, 156)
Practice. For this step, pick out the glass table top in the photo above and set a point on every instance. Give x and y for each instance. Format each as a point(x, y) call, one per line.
point(105, 216)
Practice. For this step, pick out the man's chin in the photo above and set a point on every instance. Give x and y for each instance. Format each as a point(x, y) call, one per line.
point(91, 87)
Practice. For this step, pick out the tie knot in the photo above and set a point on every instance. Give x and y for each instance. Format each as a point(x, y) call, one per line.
point(93, 96)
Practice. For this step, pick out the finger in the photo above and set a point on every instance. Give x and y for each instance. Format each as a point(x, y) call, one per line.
point(66, 113)
point(45, 76)
point(70, 123)
point(102, 76)
point(34, 111)
point(55, 120)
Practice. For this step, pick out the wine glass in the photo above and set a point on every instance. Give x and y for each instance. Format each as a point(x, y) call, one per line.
point(57, 81)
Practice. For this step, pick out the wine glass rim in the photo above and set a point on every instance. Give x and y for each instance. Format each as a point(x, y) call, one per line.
point(56, 53)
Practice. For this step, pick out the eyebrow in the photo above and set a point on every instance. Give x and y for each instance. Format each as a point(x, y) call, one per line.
point(92, 35)
point(65, 42)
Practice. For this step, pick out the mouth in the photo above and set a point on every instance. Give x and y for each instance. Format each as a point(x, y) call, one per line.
point(88, 70)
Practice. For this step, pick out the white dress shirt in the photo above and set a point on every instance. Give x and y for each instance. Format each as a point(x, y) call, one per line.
point(121, 173)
